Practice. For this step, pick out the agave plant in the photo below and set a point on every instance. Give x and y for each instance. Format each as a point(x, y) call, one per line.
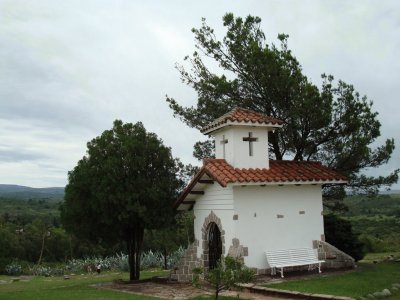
point(13, 269)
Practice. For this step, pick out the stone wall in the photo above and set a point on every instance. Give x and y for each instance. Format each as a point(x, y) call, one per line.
point(333, 257)
point(183, 271)
point(238, 251)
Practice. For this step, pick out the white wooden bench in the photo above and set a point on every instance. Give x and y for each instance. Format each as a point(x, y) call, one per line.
point(291, 258)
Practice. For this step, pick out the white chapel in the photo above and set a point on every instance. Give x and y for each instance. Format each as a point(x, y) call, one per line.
point(245, 204)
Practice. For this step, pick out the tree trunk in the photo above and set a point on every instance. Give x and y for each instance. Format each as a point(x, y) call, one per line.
point(165, 259)
point(216, 292)
point(70, 247)
point(274, 140)
point(135, 240)
point(42, 248)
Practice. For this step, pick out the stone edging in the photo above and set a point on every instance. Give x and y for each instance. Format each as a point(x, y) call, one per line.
point(290, 294)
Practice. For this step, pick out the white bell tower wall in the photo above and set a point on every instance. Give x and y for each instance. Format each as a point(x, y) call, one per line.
point(243, 146)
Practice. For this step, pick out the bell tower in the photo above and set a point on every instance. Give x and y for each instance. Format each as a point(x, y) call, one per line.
point(241, 138)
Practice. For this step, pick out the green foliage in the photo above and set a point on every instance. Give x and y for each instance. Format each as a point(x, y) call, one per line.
point(168, 240)
point(363, 281)
point(338, 232)
point(376, 221)
point(226, 274)
point(22, 240)
point(385, 205)
point(381, 256)
point(125, 184)
point(332, 123)
point(386, 244)
point(22, 225)
point(23, 211)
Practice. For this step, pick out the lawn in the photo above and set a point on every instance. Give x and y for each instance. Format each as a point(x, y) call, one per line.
point(368, 278)
point(77, 287)
point(371, 257)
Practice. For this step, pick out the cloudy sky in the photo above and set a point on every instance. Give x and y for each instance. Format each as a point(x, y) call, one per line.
point(68, 69)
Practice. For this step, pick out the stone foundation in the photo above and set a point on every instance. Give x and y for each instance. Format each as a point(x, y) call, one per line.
point(333, 257)
point(183, 271)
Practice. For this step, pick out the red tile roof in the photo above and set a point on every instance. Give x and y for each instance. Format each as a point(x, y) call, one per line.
point(280, 171)
point(241, 115)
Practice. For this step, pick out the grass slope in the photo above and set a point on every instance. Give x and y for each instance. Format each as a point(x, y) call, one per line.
point(366, 279)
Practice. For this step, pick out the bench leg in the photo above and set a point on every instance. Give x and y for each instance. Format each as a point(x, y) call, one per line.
point(319, 268)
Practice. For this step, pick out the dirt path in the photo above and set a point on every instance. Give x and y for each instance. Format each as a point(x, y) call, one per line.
point(176, 291)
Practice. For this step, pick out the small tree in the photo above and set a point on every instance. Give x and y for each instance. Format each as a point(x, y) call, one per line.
point(227, 274)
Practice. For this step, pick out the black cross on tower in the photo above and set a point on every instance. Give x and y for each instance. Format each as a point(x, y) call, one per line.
point(250, 139)
point(223, 142)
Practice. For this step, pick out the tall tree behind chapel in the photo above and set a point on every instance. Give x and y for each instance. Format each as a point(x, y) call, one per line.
point(332, 124)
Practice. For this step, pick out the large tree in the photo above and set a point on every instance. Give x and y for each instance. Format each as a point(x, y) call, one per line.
point(332, 123)
point(124, 185)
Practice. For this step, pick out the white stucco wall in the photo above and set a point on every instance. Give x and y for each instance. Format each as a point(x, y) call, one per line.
point(237, 150)
point(220, 201)
point(259, 228)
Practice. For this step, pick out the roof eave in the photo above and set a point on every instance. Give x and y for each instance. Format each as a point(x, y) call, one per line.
point(271, 125)
point(178, 203)
point(293, 182)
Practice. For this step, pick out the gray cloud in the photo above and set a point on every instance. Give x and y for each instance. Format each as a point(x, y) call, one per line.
point(18, 155)
point(69, 68)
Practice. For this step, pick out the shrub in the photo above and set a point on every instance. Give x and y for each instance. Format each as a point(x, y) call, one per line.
point(225, 275)
point(338, 232)
point(43, 270)
point(13, 269)
point(151, 259)
point(174, 257)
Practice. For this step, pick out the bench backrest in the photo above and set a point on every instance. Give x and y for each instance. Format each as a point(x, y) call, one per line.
point(288, 256)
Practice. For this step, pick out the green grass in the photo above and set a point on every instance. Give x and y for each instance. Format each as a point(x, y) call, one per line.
point(371, 257)
point(366, 279)
point(77, 287)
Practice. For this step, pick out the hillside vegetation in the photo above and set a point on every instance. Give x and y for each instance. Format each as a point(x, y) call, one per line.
point(21, 205)
point(31, 232)
point(376, 220)
point(27, 221)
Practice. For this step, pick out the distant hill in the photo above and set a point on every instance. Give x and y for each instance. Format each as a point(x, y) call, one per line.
point(390, 192)
point(25, 192)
